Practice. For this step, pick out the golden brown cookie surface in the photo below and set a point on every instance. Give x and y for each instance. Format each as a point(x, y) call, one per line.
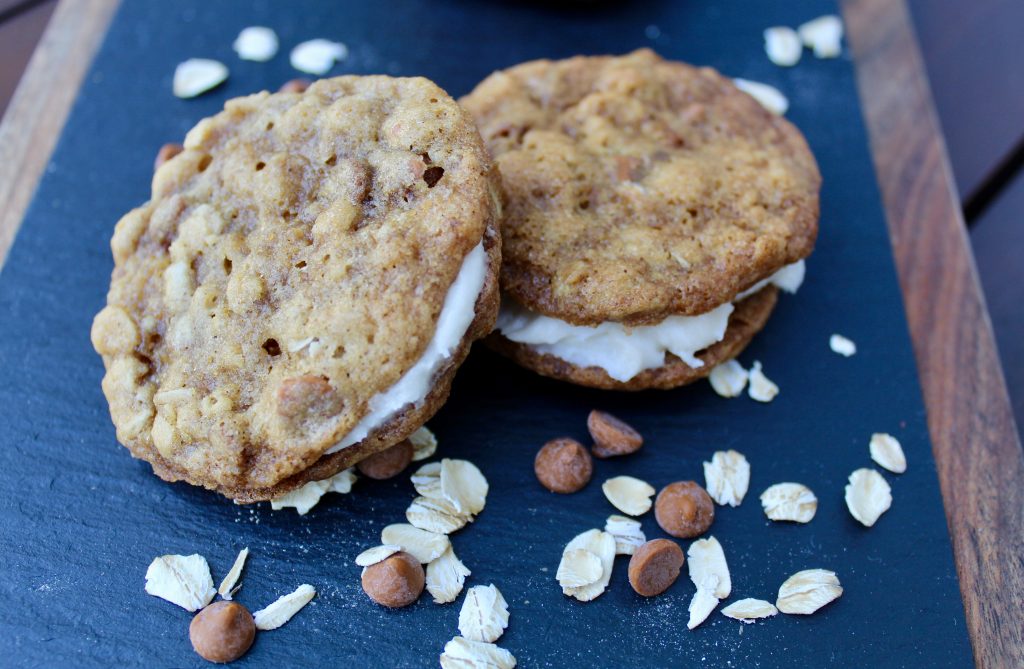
point(640, 188)
point(292, 264)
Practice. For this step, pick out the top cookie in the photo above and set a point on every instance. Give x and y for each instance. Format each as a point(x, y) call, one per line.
point(641, 188)
point(292, 264)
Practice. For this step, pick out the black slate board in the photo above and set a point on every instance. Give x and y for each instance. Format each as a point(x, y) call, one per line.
point(80, 519)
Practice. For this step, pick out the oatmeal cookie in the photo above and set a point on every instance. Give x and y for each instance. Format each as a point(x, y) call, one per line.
point(305, 253)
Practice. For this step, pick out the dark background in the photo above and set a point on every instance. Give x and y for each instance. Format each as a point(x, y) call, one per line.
point(81, 520)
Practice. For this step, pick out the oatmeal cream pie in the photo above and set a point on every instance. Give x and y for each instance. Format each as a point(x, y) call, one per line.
point(653, 211)
point(303, 284)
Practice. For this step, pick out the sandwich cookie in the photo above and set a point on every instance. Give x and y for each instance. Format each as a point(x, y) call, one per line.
point(653, 212)
point(299, 291)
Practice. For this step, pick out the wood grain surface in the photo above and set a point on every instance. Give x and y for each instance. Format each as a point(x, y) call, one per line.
point(32, 123)
point(975, 442)
point(973, 434)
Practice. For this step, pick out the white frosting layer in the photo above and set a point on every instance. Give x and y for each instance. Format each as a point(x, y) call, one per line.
point(622, 351)
point(457, 314)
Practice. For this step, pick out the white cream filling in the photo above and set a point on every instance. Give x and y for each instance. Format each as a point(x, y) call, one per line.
point(623, 351)
point(457, 314)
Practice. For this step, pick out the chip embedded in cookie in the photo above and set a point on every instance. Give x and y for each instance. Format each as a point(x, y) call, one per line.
point(653, 211)
point(297, 294)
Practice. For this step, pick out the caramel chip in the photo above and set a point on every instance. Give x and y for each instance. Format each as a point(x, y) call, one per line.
point(655, 566)
point(387, 463)
point(563, 466)
point(684, 509)
point(295, 86)
point(612, 436)
point(394, 582)
point(166, 152)
point(222, 632)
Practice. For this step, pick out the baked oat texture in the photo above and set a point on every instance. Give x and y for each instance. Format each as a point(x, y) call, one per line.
point(747, 320)
point(291, 264)
point(641, 188)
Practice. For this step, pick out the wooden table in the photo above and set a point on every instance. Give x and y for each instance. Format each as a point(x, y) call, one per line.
point(976, 446)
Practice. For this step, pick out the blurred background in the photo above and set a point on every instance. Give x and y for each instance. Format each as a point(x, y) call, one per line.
point(974, 56)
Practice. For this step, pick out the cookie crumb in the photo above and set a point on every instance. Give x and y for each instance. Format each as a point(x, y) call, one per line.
point(282, 610)
point(841, 345)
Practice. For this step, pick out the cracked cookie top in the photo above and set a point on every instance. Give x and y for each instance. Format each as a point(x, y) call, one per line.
point(640, 188)
point(291, 264)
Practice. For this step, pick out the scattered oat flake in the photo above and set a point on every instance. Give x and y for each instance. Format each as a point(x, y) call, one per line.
point(748, 610)
point(706, 562)
point(770, 97)
point(789, 501)
point(807, 591)
point(435, 515)
point(463, 485)
point(342, 481)
point(628, 534)
point(868, 496)
point(256, 43)
point(629, 495)
point(227, 586)
point(761, 387)
point(824, 35)
point(728, 379)
point(783, 46)
point(602, 545)
point(886, 451)
point(282, 610)
point(727, 477)
point(376, 554)
point(423, 545)
point(195, 76)
point(484, 614)
point(578, 567)
point(427, 480)
point(445, 577)
point(181, 579)
point(703, 602)
point(424, 444)
point(841, 345)
point(462, 653)
point(317, 56)
point(302, 499)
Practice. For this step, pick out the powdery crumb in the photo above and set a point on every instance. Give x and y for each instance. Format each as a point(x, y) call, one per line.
point(841, 345)
point(445, 577)
point(728, 379)
point(227, 587)
point(868, 496)
point(770, 97)
point(824, 35)
point(317, 56)
point(887, 452)
point(782, 44)
point(256, 43)
point(629, 495)
point(282, 610)
point(195, 76)
point(761, 387)
point(484, 614)
point(181, 579)
point(727, 477)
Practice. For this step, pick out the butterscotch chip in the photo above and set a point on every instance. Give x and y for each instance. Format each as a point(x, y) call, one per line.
point(166, 152)
point(295, 86)
point(394, 582)
point(655, 566)
point(563, 466)
point(612, 436)
point(222, 632)
point(684, 509)
point(387, 463)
